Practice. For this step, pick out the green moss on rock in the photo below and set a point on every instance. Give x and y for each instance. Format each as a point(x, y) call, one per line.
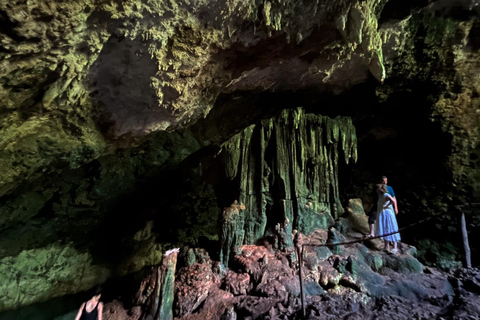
point(39, 274)
point(287, 168)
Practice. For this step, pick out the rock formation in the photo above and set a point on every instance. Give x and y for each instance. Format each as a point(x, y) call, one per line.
point(105, 106)
point(232, 231)
point(156, 292)
point(289, 164)
point(357, 283)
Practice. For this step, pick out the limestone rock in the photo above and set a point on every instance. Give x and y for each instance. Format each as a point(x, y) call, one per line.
point(39, 274)
point(357, 217)
point(299, 154)
point(232, 233)
point(98, 97)
point(194, 285)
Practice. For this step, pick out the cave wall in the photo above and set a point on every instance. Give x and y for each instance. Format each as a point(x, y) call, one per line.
point(431, 81)
point(83, 84)
point(75, 228)
point(76, 77)
point(283, 169)
point(96, 96)
point(287, 168)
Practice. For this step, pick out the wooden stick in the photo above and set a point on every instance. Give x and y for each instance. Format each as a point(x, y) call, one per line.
point(302, 294)
point(466, 246)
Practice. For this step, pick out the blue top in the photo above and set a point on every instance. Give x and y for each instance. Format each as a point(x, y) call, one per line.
point(390, 191)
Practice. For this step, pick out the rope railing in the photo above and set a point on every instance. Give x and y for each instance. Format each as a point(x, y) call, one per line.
point(370, 238)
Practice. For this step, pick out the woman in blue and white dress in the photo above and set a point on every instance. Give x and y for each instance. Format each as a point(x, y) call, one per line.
point(386, 221)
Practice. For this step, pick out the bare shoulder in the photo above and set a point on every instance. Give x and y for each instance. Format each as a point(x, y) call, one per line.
point(100, 305)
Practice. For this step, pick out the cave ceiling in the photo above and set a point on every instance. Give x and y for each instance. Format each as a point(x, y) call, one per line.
point(77, 78)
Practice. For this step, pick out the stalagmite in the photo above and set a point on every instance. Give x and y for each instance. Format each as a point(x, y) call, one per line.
point(232, 233)
point(157, 292)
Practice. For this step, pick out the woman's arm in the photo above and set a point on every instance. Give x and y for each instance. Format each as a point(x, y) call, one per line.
point(100, 311)
point(79, 313)
point(394, 202)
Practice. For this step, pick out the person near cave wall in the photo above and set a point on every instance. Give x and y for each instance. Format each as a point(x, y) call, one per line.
point(389, 190)
point(386, 221)
point(372, 214)
point(91, 309)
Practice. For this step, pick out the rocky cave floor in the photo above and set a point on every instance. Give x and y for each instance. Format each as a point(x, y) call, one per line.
point(361, 282)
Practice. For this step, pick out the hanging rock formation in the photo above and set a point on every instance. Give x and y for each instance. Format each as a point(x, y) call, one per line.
point(287, 168)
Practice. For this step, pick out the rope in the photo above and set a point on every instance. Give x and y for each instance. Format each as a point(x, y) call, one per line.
point(371, 238)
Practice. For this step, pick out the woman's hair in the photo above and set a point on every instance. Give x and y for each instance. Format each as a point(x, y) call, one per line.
point(382, 188)
point(98, 290)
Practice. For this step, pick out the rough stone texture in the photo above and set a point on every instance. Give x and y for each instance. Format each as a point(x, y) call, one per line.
point(145, 66)
point(156, 291)
point(357, 217)
point(289, 164)
point(445, 64)
point(194, 285)
point(232, 233)
point(264, 285)
point(34, 274)
point(88, 91)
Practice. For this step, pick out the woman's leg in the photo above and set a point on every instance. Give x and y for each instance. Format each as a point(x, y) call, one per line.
point(387, 245)
point(372, 230)
point(395, 249)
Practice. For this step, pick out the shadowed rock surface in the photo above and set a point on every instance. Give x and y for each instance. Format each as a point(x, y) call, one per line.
point(357, 284)
point(126, 127)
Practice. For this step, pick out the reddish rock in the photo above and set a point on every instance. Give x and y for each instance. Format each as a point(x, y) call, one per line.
point(217, 304)
point(237, 283)
point(193, 286)
point(115, 311)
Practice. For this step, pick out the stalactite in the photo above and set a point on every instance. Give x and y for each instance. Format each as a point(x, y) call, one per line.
point(287, 168)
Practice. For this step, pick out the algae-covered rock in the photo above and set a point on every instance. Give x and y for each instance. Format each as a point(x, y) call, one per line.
point(290, 164)
point(39, 274)
point(404, 264)
point(95, 98)
point(232, 232)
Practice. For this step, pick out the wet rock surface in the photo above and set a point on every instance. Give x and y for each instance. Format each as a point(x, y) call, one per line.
point(101, 100)
point(263, 284)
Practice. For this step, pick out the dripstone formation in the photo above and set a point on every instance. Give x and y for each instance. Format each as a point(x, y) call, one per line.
point(104, 106)
point(286, 168)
